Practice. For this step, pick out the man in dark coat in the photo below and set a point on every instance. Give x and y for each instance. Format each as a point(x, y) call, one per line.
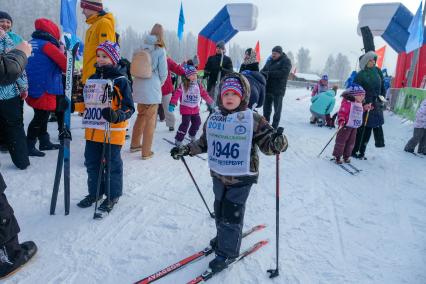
point(370, 77)
point(213, 67)
point(12, 254)
point(277, 69)
point(257, 82)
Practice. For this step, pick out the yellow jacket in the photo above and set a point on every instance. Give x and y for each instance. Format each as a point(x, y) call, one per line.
point(102, 28)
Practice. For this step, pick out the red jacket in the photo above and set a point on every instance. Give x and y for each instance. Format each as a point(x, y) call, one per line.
point(172, 66)
point(48, 101)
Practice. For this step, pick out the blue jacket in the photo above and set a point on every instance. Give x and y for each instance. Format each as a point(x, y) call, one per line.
point(44, 75)
point(323, 103)
point(257, 87)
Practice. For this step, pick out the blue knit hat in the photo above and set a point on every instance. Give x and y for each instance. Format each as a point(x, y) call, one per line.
point(111, 49)
point(189, 70)
point(354, 90)
point(232, 85)
point(324, 77)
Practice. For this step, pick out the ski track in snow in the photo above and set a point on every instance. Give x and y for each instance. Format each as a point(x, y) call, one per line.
point(334, 227)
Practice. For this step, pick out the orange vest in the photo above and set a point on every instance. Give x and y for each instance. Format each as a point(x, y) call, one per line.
point(118, 130)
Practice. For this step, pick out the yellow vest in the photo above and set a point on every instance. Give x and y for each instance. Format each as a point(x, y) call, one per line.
point(101, 28)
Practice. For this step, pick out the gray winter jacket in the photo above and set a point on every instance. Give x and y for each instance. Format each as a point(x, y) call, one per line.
point(148, 91)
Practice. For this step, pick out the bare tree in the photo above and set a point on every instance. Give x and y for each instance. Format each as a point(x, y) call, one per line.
point(330, 67)
point(342, 67)
point(303, 60)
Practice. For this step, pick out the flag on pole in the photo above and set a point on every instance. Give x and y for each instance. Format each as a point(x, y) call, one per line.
point(69, 17)
point(257, 49)
point(415, 40)
point(181, 23)
point(380, 56)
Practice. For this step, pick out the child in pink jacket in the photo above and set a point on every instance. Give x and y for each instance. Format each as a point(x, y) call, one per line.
point(349, 119)
point(189, 94)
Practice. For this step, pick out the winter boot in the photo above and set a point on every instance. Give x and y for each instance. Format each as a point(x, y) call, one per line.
point(32, 151)
point(4, 148)
point(87, 201)
point(45, 143)
point(108, 204)
point(171, 128)
point(338, 160)
point(219, 263)
point(9, 266)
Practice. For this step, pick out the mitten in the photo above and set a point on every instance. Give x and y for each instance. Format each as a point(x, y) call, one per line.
point(279, 142)
point(179, 151)
point(110, 115)
point(171, 108)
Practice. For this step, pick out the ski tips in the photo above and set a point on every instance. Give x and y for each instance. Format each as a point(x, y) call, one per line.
point(260, 227)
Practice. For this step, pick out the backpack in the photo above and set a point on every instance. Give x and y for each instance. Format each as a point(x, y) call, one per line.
point(141, 66)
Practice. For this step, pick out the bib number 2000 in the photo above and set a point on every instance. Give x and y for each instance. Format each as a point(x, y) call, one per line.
point(93, 114)
point(226, 150)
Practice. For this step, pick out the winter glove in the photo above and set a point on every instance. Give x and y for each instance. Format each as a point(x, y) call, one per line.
point(171, 108)
point(279, 142)
point(179, 151)
point(110, 115)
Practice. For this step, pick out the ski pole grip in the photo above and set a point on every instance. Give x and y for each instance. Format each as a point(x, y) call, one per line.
point(280, 130)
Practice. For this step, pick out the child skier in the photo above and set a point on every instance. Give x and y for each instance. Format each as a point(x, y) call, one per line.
point(115, 107)
point(189, 93)
point(349, 119)
point(231, 136)
point(321, 86)
point(419, 135)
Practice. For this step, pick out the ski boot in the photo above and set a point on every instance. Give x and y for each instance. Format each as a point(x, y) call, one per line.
point(347, 160)
point(338, 160)
point(219, 263)
point(87, 201)
point(32, 150)
point(171, 128)
point(10, 266)
point(46, 145)
point(108, 204)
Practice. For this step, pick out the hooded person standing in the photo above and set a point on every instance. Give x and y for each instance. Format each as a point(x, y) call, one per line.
point(102, 28)
point(250, 61)
point(277, 70)
point(370, 78)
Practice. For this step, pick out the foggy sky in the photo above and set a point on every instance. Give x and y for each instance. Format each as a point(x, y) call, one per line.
point(324, 26)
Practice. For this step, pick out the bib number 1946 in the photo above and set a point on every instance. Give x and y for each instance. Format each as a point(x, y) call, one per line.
point(226, 150)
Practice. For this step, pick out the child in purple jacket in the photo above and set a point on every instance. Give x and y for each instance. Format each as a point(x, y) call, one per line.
point(189, 94)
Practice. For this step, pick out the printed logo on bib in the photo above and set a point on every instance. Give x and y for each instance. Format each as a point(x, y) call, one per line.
point(95, 94)
point(229, 141)
point(355, 115)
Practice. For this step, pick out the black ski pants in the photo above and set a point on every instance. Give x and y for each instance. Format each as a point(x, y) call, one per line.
point(277, 102)
point(11, 119)
point(9, 227)
point(229, 209)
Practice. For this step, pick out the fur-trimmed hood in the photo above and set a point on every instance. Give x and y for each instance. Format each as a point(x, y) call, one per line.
point(246, 93)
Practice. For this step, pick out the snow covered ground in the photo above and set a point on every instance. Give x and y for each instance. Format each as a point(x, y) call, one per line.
point(335, 228)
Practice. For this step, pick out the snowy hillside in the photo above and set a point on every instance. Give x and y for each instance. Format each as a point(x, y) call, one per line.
point(335, 228)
